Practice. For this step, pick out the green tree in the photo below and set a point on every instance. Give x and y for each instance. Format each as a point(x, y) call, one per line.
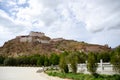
point(34, 60)
point(10, 62)
point(115, 59)
point(81, 57)
point(41, 60)
point(2, 59)
point(63, 62)
point(92, 63)
point(46, 61)
point(23, 60)
point(73, 61)
point(54, 59)
point(105, 56)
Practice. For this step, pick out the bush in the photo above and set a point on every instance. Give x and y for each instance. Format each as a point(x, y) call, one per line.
point(79, 76)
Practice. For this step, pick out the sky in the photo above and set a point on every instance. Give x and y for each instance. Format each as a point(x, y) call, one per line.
point(91, 21)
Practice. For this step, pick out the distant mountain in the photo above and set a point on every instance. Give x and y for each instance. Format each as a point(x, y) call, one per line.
point(39, 43)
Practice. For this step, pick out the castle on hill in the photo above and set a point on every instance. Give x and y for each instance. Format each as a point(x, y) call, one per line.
point(37, 36)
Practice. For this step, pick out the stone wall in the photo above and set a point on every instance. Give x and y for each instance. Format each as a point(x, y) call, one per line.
point(26, 39)
point(43, 41)
point(57, 39)
point(31, 37)
point(39, 34)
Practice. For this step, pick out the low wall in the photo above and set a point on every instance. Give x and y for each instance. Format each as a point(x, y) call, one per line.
point(103, 68)
point(106, 68)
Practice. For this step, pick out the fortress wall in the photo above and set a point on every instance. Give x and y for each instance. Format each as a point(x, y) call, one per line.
point(39, 34)
point(26, 39)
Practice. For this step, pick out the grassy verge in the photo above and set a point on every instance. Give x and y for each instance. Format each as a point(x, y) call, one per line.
point(79, 76)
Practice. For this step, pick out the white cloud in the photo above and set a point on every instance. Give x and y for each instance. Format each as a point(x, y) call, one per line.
point(31, 12)
point(108, 37)
point(97, 14)
point(22, 1)
point(72, 19)
point(9, 29)
point(8, 23)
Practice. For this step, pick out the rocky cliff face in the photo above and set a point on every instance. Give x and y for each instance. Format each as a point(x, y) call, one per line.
point(38, 43)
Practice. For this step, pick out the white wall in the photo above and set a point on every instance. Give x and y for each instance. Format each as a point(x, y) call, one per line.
point(103, 68)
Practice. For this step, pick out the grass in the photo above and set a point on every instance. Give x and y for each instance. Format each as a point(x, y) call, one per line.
point(79, 76)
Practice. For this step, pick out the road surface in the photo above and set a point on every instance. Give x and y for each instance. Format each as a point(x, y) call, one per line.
point(24, 73)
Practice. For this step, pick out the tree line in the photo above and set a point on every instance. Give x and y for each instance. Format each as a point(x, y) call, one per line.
point(67, 57)
point(33, 60)
point(76, 57)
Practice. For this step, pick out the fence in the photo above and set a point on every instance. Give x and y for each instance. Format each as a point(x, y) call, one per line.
point(103, 68)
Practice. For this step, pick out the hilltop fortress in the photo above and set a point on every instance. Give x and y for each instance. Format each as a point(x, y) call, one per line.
point(39, 34)
point(37, 37)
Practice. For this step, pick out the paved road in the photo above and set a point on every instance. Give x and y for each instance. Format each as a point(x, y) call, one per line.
point(24, 73)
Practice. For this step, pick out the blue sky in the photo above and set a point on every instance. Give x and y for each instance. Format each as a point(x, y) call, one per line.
point(91, 21)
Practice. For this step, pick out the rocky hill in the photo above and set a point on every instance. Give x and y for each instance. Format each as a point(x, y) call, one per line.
point(39, 43)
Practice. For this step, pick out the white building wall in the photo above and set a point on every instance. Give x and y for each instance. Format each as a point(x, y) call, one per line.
point(43, 41)
point(39, 34)
point(26, 39)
